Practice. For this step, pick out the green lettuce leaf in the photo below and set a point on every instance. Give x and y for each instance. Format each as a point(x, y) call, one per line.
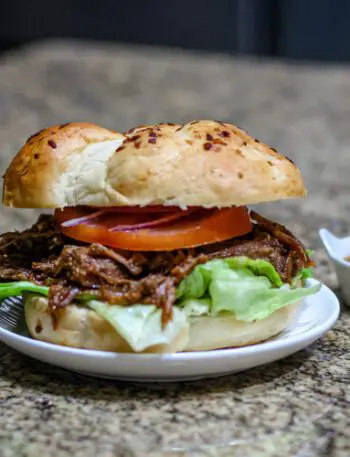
point(140, 325)
point(246, 288)
point(197, 283)
point(306, 273)
point(197, 306)
point(14, 289)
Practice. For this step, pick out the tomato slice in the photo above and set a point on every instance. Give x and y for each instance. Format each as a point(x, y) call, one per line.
point(144, 209)
point(114, 228)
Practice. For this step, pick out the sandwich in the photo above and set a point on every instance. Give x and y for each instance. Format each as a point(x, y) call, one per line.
point(151, 245)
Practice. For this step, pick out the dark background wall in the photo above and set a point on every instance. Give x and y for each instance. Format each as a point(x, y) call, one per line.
point(296, 29)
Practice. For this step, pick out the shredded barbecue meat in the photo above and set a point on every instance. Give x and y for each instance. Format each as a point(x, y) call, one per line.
point(44, 256)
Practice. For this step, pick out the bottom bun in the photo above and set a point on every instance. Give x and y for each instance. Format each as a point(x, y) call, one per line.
point(208, 333)
point(80, 327)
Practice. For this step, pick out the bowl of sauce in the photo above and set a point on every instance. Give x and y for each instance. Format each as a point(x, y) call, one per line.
point(338, 250)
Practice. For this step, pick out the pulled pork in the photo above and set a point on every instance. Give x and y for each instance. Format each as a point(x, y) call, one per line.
point(44, 256)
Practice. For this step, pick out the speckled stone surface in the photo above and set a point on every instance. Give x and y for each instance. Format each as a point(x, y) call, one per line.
point(296, 407)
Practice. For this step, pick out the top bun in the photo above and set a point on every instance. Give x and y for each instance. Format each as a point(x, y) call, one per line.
point(61, 165)
point(202, 163)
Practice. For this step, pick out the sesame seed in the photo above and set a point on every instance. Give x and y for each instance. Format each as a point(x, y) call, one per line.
point(52, 144)
point(219, 141)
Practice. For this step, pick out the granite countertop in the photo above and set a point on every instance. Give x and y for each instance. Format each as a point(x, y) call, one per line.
point(298, 406)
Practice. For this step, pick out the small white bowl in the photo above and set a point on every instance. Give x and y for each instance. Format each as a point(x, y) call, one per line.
point(337, 249)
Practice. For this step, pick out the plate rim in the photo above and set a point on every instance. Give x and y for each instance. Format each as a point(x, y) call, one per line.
point(311, 334)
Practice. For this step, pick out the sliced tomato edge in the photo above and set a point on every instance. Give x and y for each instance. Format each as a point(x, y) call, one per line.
point(158, 240)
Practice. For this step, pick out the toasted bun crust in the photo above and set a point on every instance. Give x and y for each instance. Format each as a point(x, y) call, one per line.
point(204, 163)
point(82, 328)
point(60, 165)
point(79, 327)
point(207, 333)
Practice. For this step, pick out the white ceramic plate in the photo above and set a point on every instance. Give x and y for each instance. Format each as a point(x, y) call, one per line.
point(316, 316)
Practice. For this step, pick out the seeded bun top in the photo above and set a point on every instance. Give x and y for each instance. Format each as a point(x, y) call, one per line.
point(202, 163)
